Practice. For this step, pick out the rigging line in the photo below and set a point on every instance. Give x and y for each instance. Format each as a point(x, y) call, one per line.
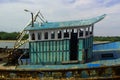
point(42, 15)
point(41, 19)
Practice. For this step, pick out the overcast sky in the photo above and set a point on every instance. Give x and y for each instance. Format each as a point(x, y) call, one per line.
point(14, 18)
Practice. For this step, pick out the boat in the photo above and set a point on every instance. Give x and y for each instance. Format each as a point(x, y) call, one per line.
point(61, 51)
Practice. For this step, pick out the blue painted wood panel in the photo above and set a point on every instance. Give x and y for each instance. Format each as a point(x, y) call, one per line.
point(49, 51)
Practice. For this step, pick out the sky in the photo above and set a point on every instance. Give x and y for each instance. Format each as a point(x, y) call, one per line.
point(13, 18)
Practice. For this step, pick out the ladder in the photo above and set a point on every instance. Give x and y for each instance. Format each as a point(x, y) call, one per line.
point(19, 42)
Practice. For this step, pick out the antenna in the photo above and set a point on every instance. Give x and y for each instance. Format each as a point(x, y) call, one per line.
point(39, 14)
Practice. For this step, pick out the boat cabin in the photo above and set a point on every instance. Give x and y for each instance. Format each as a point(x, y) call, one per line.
point(61, 42)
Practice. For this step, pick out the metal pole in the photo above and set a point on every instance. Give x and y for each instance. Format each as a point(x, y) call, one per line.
point(32, 19)
point(31, 16)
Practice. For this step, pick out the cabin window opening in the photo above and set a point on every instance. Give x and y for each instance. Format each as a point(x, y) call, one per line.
point(59, 34)
point(52, 35)
point(80, 32)
point(66, 33)
point(90, 30)
point(33, 36)
point(39, 36)
point(108, 55)
point(86, 31)
point(46, 35)
point(75, 30)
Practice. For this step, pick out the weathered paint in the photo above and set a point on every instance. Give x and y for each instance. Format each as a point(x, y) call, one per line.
point(49, 51)
point(56, 51)
point(65, 24)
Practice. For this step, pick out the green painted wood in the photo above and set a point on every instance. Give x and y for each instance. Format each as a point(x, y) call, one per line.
point(50, 45)
point(34, 58)
point(57, 51)
point(54, 45)
point(38, 58)
point(68, 45)
point(80, 44)
point(61, 45)
point(40, 49)
point(44, 46)
point(68, 56)
point(54, 58)
point(47, 46)
point(60, 56)
point(50, 56)
point(80, 55)
point(31, 58)
point(31, 47)
point(57, 46)
point(34, 47)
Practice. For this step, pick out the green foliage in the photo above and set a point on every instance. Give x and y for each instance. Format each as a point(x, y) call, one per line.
point(10, 36)
point(107, 38)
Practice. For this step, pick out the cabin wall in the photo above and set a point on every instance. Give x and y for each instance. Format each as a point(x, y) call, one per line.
point(85, 49)
point(57, 51)
point(49, 52)
point(61, 45)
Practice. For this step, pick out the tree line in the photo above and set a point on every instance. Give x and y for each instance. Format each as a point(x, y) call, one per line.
point(107, 38)
point(13, 36)
point(10, 36)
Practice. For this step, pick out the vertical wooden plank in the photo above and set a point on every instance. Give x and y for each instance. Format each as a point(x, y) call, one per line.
point(58, 54)
point(31, 58)
point(61, 56)
point(80, 55)
point(60, 44)
point(67, 56)
point(47, 45)
point(64, 57)
point(50, 45)
point(34, 46)
point(80, 44)
point(51, 59)
point(38, 57)
point(42, 46)
point(49, 50)
point(57, 45)
point(53, 56)
point(64, 43)
point(40, 49)
point(40, 54)
point(54, 45)
point(45, 56)
point(68, 44)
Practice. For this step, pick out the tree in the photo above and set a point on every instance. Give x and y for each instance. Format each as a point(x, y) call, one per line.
point(10, 36)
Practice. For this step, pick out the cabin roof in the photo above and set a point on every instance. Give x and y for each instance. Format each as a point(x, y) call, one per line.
point(65, 24)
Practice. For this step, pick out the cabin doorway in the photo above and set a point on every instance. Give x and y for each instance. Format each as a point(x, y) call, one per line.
point(74, 46)
point(86, 55)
